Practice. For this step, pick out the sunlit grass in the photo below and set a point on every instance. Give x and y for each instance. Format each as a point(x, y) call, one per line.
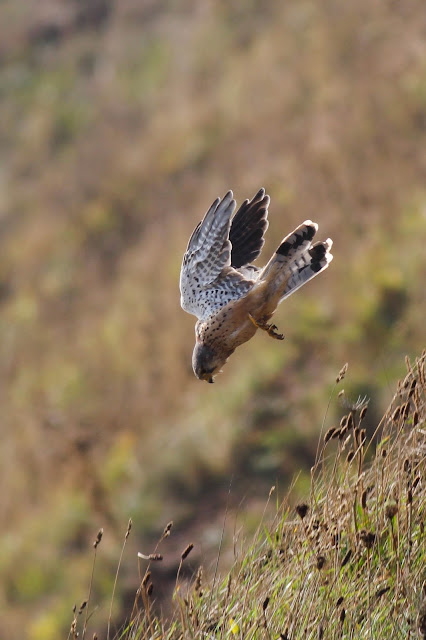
point(347, 562)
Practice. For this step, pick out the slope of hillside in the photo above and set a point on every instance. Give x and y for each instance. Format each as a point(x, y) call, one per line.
point(348, 562)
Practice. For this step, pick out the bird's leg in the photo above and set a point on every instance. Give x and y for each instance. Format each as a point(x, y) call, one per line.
point(271, 329)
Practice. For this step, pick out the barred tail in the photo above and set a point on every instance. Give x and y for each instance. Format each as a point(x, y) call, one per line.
point(297, 260)
point(307, 265)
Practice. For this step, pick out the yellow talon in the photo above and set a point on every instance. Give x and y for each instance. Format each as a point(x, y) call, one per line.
point(271, 329)
point(253, 321)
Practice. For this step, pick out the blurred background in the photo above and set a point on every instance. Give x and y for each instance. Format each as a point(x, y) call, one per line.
point(120, 123)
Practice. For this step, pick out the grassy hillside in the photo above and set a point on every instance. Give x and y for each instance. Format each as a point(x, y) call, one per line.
point(119, 124)
point(347, 563)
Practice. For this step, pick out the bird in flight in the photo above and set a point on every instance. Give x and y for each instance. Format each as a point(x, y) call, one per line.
point(231, 297)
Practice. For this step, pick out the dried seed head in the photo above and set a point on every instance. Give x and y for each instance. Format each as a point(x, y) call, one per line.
point(407, 466)
point(320, 562)
point(198, 579)
point(329, 434)
point(82, 606)
point(405, 410)
point(363, 412)
point(350, 456)
point(396, 414)
point(342, 373)
point(391, 509)
point(347, 557)
point(381, 592)
point(150, 589)
point(344, 422)
point(129, 526)
point(342, 616)
point(339, 601)
point(228, 586)
point(265, 603)
point(167, 529)
point(98, 538)
point(412, 388)
point(367, 538)
point(187, 551)
point(363, 436)
point(415, 418)
point(384, 453)
point(364, 499)
point(302, 510)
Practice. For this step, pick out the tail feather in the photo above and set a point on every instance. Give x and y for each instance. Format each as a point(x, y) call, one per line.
point(308, 265)
point(297, 260)
point(291, 248)
point(296, 243)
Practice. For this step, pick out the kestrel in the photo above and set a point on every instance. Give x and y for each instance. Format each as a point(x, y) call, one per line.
point(231, 297)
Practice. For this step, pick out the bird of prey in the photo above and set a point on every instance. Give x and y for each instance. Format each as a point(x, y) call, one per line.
point(231, 297)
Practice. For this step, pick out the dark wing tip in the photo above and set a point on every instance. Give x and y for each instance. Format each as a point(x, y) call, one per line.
point(248, 226)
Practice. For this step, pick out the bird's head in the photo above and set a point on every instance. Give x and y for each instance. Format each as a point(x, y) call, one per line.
point(206, 362)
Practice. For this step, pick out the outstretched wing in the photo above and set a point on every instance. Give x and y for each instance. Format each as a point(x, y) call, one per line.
point(209, 248)
point(248, 228)
point(207, 280)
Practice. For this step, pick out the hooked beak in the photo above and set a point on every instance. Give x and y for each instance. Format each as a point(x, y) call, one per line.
point(208, 377)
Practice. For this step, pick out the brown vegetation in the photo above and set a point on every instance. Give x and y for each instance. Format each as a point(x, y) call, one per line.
point(119, 124)
point(351, 564)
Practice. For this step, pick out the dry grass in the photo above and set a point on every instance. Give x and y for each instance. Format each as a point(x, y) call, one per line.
point(348, 563)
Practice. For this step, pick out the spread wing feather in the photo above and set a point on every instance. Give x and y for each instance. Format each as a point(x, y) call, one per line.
point(248, 228)
point(207, 257)
point(209, 248)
